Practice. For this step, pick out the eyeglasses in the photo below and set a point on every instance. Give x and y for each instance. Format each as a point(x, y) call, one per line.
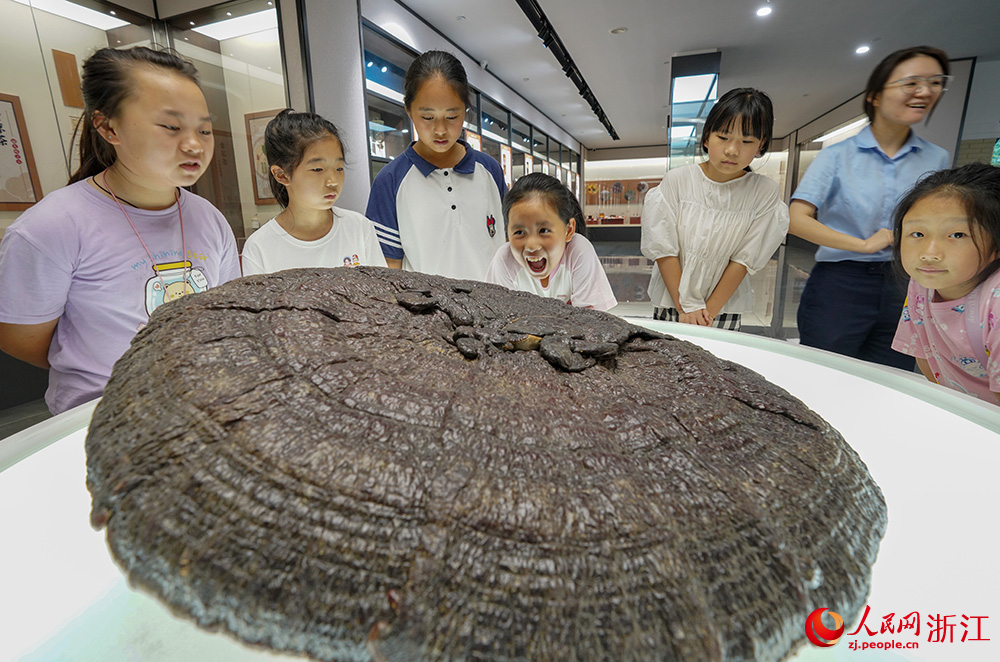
point(912, 84)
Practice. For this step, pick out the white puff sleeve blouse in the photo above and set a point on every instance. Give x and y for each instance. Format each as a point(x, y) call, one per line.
point(707, 224)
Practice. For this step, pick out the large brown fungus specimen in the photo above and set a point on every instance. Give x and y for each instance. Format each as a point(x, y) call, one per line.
point(371, 464)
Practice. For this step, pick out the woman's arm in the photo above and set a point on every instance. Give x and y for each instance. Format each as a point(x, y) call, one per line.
point(802, 223)
point(28, 342)
point(731, 278)
point(394, 264)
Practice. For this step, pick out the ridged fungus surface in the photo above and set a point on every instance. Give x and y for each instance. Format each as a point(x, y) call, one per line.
point(367, 464)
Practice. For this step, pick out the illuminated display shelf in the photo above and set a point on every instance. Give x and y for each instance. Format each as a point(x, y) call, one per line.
point(932, 451)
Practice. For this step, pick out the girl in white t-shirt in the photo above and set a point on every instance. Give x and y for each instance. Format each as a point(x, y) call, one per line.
point(306, 160)
point(547, 253)
point(947, 238)
point(709, 225)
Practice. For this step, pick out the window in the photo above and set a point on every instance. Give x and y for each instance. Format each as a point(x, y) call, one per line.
point(496, 122)
point(694, 87)
point(237, 51)
point(44, 51)
point(388, 128)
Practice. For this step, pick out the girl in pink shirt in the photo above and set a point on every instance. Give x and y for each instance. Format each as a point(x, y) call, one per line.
point(947, 238)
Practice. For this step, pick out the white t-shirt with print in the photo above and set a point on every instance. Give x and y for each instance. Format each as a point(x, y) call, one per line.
point(350, 242)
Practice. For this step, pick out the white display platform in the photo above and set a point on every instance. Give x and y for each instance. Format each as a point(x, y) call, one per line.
point(932, 451)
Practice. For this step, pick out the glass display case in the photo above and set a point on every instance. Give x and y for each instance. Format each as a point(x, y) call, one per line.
point(932, 451)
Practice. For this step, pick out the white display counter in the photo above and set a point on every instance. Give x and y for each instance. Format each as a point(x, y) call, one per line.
point(933, 452)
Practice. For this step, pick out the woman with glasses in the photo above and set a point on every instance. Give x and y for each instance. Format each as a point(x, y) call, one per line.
point(852, 300)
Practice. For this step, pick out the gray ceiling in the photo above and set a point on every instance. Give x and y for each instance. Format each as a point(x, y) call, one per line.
point(802, 55)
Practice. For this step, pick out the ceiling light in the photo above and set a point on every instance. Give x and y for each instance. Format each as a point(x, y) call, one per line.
point(240, 26)
point(73, 12)
point(763, 11)
point(619, 30)
point(369, 64)
point(861, 50)
point(384, 69)
point(844, 129)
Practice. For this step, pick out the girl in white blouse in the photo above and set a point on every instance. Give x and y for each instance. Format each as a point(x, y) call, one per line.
point(709, 225)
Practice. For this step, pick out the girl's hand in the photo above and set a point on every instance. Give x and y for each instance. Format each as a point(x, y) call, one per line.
point(878, 241)
point(699, 317)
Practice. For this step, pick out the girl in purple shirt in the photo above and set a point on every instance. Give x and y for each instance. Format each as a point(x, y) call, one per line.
point(82, 270)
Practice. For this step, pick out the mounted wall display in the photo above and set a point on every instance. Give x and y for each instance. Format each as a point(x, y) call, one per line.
point(475, 142)
point(506, 165)
point(256, 123)
point(616, 201)
point(19, 187)
point(68, 75)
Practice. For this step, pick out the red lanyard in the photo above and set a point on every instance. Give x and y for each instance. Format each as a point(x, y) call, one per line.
point(152, 262)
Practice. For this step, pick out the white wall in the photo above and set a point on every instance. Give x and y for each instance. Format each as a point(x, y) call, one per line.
point(27, 76)
point(982, 119)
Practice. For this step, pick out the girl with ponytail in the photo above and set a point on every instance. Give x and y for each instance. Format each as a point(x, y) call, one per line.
point(82, 270)
point(306, 160)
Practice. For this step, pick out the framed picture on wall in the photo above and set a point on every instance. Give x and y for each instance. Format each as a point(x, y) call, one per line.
point(506, 164)
point(19, 187)
point(256, 123)
point(475, 142)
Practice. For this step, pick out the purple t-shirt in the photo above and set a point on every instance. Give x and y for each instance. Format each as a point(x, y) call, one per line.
point(74, 256)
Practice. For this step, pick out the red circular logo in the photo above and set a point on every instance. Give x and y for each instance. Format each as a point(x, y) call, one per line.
point(817, 632)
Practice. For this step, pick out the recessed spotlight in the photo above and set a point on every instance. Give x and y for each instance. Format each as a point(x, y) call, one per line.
point(229, 13)
point(192, 22)
point(861, 50)
point(619, 30)
point(112, 12)
point(764, 11)
point(384, 69)
point(369, 64)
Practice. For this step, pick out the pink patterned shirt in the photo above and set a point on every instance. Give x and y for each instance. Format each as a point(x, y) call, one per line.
point(938, 331)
